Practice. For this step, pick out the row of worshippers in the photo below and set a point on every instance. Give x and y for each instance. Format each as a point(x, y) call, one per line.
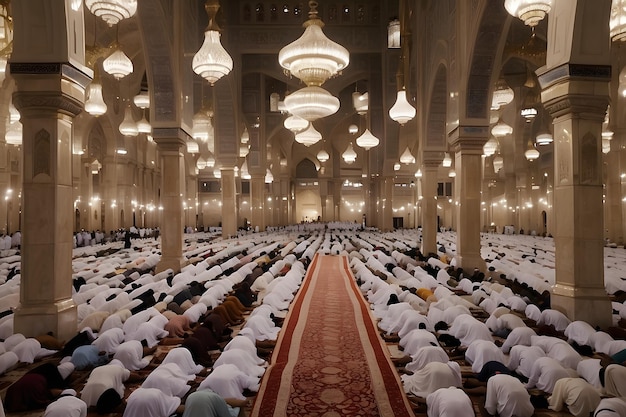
point(430, 368)
point(9, 241)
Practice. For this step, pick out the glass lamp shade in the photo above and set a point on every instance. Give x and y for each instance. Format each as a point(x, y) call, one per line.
point(217, 173)
point(311, 103)
point(617, 21)
point(349, 155)
point(295, 123)
point(418, 173)
point(606, 133)
point(501, 129)
point(117, 64)
point(452, 173)
point(502, 95)
point(544, 139)
point(498, 163)
point(269, 178)
point(121, 151)
point(112, 11)
point(402, 111)
point(243, 150)
point(142, 100)
point(447, 161)
point(201, 163)
point(308, 137)
point(192, 147)
point(353, 129)
point(367, 140)
point(244, 171)
point(313, 58)
point(245, 136)
point(95, 104)
point(397, 166)
point(407, 157)
point(606, 145)
point(283, 162)
point(393, 34)
point(13, 135)
point(531, 154)
point(128, 127)
point(210, 161)
point(323, 156)
point(360, 102)
point(531, 12)
point(143, 126)
point(200, 125)
point(529, 113)
point(489, 148)
point(212, 62)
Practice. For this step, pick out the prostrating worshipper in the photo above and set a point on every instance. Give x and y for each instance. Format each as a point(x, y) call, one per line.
point(88, 356)
point(109, 340)
point(103, 378)
point(151, 402)
point(545, 372)
point(554, 318)
point(178, 325)
point(590, 369)
point(522, 358)
point(518, 336)
point(431, 377)
point(131, 354)
point(207, 403)
point(67, 405)
point(426, 355)
point(615, 380)
point(579, 395)
point(611, 407)
point(246, 363)
point(170, 379)
point(229, 382)
point(449, 402)
point(198, 351)
point(35, 389)
point(507, 397)
point(7, 361)
point(479, 352)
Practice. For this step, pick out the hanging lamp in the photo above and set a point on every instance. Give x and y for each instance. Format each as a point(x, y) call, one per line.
point(95, 104)
point(501, 129)
point(397, 166)
point(531, 12)
point(309, 136)
point(112, 11)
point(323, 156)
point(447, 161)
point(143, 125)
point(128, 127)
point(269, 178)
point(407, 157)
point(212, 61)
point(367, 140)
point(402, 111)
point(295, 123)
point(312, 103)
point(210, 161)
point(201, 163)
point(502, 94)
point(489, 148)
point(349, 155)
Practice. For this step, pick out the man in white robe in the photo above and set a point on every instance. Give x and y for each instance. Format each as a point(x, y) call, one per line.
point(507, 397)
point(579, 395)
point(449, 402)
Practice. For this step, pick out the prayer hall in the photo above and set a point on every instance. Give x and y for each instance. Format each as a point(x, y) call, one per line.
point(312, 208)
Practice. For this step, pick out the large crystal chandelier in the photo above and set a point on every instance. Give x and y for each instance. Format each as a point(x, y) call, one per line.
point(212, 61)
point(617, 21)
point(112, 11)
point(313, 58)
point(117, 64)
point(531, 12)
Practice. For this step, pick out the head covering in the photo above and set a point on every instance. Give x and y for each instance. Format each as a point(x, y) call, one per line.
point(68, 391)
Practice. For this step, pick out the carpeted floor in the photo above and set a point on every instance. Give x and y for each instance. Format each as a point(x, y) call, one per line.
point(329, 359)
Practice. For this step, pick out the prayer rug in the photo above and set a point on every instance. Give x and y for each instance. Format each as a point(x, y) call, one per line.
point(329, 358)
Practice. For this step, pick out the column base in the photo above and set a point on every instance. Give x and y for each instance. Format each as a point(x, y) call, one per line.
point(58, 318)
point(471, 262)
point(174, 263)
point(588, 304)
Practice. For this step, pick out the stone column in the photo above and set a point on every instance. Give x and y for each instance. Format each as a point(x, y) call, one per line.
point(467, 142)
point(613, 224)
point(576, 96)
point(170, 143)
point(429, 207)
point(257, 202)
point(48, 97)
point(229, 202)
point(387, 185)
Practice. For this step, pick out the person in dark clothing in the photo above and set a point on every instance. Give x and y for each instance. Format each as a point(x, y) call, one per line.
point(127, 240)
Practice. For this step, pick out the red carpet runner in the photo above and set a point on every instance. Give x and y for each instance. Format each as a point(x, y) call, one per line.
point(329, 359)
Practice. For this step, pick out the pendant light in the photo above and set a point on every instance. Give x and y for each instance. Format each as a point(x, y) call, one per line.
point(367, 140)
point(128, 127)
point(349, 155)
point(308, 137)
point(531, 12)
point(323, 156)
point(212, 61)
point(112, 11)
point(447, 161)
point(402, 111)
point(117, 64)
point(295, 123)
point(95, 104)
point(407, 157)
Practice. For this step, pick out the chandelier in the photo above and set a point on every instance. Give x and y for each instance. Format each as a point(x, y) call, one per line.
point(531, 12)
point(212, 61)
point(502, 95)
point(201, 124)
point(349, 155)
point(360, 102)
point(397, 166)
point(309, 137)
point(311, 103)
point(544, 139)
point(118, 64)
point(313, 58)
point(245, 174)
point(367, 140)
point(143, 125)
point(531, 154)
point(295, 123)
point(489, 148)
point(323, 156)
point(201, 163)
point(210, 161)
point(501, 129)
point(617, 21)
point(402, 111)
point(95, 104)
point(142, 100)
point(243, 150)
point(128, 127)
point(447, 161)
point(13, 135)
point(407, 157)
point(112, 11)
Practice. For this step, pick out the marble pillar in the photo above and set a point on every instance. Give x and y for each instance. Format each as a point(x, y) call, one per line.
point(576, 96)
point(257, 202)
point(171, 143)
point(386, 201)
point(229, 203)
point(429, 207)
point(467, 142)
point(48, 97)
point(613, 223)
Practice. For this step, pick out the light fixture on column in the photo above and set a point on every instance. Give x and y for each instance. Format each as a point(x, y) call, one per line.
point(128, 127)
point(447, 161)
point(212, 61)
point(367, 140)
point(489, 148)
point(323, 156)
point(531, 12)
point(617, 21)
point(407, 157)
point(349, 155)
point(112, 11)
point(309, 136)
point(95, 104)
point(502, 94)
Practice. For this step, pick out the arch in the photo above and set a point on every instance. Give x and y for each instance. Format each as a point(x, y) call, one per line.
point(306, 169)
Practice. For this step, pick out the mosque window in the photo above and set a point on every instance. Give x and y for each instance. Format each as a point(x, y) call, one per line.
point(273, 12)
point(345, 13)
point(247, 13)
point(260, 12)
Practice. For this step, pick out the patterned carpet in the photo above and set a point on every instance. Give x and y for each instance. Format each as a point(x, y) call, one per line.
point(329, 359)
